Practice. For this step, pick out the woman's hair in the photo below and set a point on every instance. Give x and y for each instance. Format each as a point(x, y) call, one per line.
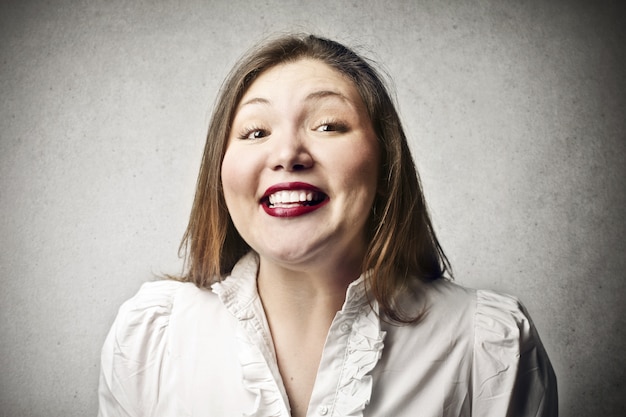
point(402, 246)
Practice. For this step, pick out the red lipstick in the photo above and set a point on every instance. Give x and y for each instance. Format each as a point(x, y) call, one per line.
point(292, 199)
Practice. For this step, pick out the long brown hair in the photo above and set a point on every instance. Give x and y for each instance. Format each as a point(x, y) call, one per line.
point(403, 248)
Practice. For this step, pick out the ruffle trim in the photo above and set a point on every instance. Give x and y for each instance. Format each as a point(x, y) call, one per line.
point(355, 385)
point(258, 379)
point(364, 349)
point(238, 293)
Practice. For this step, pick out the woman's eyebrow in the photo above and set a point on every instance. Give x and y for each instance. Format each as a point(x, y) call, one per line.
point(255, 100)
point(316, 95)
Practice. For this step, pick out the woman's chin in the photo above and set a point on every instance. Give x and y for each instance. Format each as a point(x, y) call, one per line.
point(287, 257)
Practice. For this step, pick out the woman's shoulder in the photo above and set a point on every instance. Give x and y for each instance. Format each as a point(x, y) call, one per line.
point(153, 299)
point(503, 347)
point(146, 316)
point(502, 332)
point(494, 314)
point(144, 320)
point(485, 318)
point(153, 294)
point(137, 351)
point(449, 298)
point(158, 306)
point(508, 360)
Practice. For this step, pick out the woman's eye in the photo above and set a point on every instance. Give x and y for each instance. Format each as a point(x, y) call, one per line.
point(332, 127)
point(254, 134)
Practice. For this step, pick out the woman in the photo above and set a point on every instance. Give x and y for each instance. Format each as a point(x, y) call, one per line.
point(315, 282)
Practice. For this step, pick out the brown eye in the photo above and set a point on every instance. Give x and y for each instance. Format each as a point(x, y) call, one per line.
point(325, 128)
point(254, 134)
point(332, 127)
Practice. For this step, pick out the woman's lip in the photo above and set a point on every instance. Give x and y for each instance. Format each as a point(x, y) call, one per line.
point(295, 209)
point(286, 186)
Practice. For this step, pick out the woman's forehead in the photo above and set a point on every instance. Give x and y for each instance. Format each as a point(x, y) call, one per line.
point(308, 79)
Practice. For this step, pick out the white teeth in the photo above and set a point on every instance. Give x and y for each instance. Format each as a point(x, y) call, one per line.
point(287, 197)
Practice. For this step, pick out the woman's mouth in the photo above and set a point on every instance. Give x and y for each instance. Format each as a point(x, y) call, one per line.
point(286, 200)
point(291, 198)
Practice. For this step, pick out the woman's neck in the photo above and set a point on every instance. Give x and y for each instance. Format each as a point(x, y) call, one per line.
point(300, 306)
point(306, 291)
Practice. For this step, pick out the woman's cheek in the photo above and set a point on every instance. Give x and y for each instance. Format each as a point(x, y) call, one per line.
point(230, 177)
point(240, 172)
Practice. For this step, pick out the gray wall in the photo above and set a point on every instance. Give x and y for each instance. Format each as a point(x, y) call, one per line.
point(515, 112)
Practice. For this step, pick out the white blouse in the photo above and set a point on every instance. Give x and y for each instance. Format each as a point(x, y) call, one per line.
point(177, 350)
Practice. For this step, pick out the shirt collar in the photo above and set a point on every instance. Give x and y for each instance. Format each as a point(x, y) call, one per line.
point(238, 291)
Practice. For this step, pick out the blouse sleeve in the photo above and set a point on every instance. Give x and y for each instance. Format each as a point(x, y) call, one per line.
point(511, 373)
point(134, 352)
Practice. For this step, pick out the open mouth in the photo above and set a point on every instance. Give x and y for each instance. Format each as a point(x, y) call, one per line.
point(294, 198)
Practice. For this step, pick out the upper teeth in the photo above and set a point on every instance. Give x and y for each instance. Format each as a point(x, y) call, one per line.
point(283, 197)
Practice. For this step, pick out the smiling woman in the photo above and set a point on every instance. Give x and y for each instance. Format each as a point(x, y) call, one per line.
point(315, 281)
point(310, 118)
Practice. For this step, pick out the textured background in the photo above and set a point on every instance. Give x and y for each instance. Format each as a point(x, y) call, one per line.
point(515, 112)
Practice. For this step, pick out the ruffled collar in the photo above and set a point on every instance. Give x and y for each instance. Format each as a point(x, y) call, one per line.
point(261, 376)
point(364, 349)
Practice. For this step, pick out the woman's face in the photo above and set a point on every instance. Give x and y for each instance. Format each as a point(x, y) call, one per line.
point(301, 166)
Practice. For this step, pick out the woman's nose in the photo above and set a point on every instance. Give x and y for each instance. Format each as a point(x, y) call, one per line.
point(290, 154)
